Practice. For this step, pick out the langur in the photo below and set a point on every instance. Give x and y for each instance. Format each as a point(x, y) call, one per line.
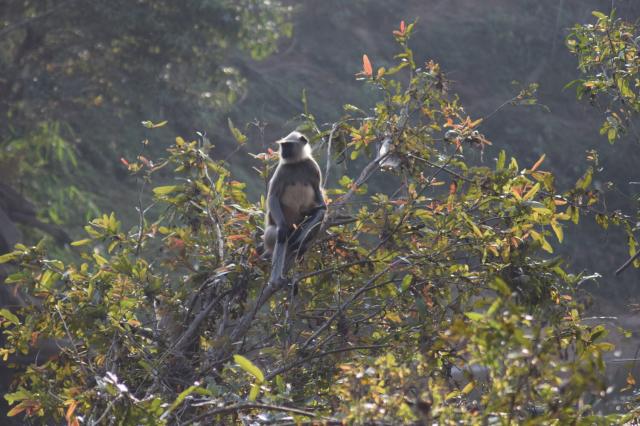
point(295, 203)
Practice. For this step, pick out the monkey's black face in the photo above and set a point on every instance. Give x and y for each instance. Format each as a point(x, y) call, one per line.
point(291, 150)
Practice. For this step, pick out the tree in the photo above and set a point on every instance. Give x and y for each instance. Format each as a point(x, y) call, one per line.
point(608, 53)
point(435, 300)
point(74, 71)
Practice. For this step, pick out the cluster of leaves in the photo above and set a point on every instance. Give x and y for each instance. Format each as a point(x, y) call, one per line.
point(77, 74)
point(87, 54)
point(434, 301)
point(23, 161)
point(608, 53)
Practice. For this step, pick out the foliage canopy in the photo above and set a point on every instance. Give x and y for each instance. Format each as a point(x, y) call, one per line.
point(437, 300)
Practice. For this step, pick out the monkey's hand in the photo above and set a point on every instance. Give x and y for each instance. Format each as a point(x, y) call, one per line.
point(307, 230)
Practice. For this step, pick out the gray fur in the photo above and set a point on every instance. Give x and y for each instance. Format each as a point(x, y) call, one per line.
point(293, 197)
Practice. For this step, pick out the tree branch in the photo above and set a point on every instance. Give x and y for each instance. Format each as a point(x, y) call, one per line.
point(255, 405)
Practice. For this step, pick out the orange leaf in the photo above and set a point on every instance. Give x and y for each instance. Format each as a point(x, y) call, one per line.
point(367, 69)
point(517, 190)
point(27, 405)
point(176, 243)
point(631, 381)
point(538, 163)
point(70, 410)
point(34, 337)
point(401, 31)
point(453, 187)
point(16, 410)
point(124, 161)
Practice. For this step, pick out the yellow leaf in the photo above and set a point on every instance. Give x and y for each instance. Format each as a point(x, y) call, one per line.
point(557, 228)
point(532, 192)
point(81, 242)
point(253, 393)
point(517, 192)
point(249, 367)
point(475, 123)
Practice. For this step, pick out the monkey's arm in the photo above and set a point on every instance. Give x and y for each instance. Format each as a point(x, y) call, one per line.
point(307, 229)
point(277, 261)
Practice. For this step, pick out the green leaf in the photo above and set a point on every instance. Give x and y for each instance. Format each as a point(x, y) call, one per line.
point(181, 397)
point(406, 282)
point(8, 257)
point(468, 388)
point(599, 14)
point(17, 396)
point(253, 393)
point(237, 134)
point(81, 242)
point(164, 190)
point(6, 314)
point(502, 157)
point(573, 83)
point(501, 287)
point(249, 367)
point(474, 316)
point(585, 180)
point(151, 125)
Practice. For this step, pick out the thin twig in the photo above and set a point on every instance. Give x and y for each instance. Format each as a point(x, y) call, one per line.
point(253, 406)
point(627, 263)
point(284, 368)
point(328, 166)
point(342, 307)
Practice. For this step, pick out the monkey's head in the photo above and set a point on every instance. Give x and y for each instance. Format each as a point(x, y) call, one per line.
point(294, 147)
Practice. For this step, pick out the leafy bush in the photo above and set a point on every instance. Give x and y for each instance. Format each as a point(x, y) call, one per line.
point(434, 301)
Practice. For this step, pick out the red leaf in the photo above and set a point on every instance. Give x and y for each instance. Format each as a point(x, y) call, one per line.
point(124, 161)
point(402, 30)
point(367, 69)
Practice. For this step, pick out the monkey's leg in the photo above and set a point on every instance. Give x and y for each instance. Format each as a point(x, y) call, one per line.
point(306, 231)
point(269, 241)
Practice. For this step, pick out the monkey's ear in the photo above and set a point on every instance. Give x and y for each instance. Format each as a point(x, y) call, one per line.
point(303, 139)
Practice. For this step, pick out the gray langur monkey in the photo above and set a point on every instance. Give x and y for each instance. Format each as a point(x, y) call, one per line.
point(295, 203)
